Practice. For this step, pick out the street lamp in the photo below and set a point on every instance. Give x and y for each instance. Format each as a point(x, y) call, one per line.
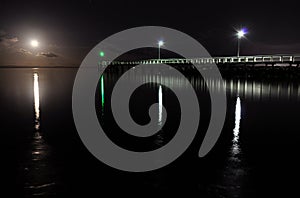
point(160, 43)
point(240, 34)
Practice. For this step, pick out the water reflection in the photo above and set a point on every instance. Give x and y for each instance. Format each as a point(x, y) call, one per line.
point(160, 105)
point(61, 170)
point(247, 88)
point(38, 148)
point(235, 142)
point(263, 90)
point(36, 92)
point(233, 171)
point(102, 91)
point(160, 135)
point(235, 168)
point(39, 181)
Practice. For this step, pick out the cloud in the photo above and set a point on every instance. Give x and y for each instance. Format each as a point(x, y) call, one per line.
point(6, 40)
point(47, 54)
point(2, 33)
point(24, 51)
point(13, 39)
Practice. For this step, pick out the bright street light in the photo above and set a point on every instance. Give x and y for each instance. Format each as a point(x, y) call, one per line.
point(240, 34)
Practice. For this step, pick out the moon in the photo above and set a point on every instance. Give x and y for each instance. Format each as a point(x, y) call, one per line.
point(34, 43)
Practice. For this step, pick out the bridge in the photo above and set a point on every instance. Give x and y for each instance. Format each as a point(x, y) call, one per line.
point(262, 60)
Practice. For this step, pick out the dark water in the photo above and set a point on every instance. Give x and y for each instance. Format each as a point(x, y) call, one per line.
point(256, 155)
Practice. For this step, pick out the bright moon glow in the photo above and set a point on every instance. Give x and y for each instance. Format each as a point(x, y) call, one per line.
point(34, 43)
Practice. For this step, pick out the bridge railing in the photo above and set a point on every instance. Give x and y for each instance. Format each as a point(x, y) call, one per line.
point(210, 60)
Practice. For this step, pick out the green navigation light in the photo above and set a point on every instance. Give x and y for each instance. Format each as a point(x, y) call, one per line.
point(101, 54)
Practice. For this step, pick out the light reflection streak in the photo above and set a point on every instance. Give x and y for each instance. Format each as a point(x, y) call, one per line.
point(160, 105)
point(39, 178)
point(235, 169)
point(160, 135)
point(38, 141)
point(36, 92)
point(236, 130)
point(256, 90)
point(102, 92)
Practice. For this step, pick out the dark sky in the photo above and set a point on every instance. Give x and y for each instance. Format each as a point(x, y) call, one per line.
point(67, 30)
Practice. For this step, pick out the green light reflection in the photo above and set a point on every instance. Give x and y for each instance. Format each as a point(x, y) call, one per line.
point(102, 91)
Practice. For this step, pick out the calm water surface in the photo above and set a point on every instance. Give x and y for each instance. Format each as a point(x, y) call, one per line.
point(256, 155)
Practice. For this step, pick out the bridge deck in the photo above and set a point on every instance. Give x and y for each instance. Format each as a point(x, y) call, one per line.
point(254, 60)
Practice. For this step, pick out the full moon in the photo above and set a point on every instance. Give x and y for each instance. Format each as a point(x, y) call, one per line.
point(34, 43)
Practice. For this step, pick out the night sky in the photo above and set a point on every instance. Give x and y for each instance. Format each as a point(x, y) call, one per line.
point(68, 30)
